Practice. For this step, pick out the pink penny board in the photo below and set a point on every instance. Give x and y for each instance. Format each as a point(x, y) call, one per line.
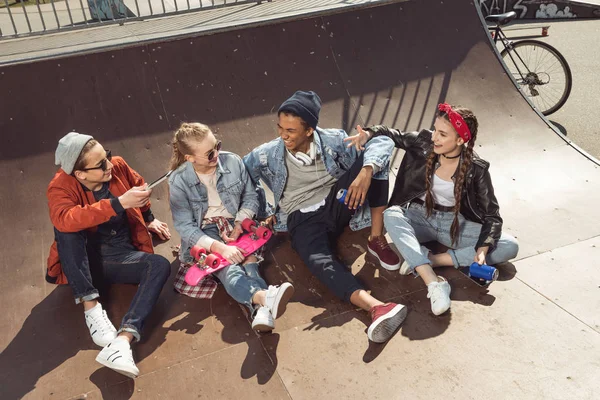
point(248, 243)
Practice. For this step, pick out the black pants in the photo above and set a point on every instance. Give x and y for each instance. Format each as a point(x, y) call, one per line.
point(314, 234)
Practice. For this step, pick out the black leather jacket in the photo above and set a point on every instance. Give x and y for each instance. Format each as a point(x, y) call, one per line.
point(478, 202)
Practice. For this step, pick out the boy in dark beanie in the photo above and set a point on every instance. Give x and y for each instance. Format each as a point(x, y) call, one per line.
point(305, 168)
point(100, 210)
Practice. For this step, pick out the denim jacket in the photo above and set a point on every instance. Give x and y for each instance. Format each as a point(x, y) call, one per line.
point(266, 163)
point(189, 199)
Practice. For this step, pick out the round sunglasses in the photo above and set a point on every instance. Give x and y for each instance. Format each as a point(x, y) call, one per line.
point(103, 164)
point(211, 154)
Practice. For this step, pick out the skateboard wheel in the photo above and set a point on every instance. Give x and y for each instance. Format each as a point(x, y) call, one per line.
point(212, 261)
point(196, 251)
point(248, 224)
point(264, 232)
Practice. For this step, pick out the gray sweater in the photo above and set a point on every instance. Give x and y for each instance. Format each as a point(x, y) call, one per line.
point(306, 185)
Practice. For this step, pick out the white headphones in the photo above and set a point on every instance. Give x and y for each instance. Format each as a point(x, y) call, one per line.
point(304, 159)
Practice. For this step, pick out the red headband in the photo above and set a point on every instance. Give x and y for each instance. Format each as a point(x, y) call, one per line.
point(457, 121)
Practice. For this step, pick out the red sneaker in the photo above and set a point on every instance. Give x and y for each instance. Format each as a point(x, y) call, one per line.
point(379, 247)
point(386, 319)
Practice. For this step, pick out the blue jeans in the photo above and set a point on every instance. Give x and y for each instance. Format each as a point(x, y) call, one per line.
point(240, 281)
point(409, 227)
point(81, 259)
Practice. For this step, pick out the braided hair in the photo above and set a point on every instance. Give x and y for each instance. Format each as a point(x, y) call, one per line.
point(184, 140)
point(467, 158)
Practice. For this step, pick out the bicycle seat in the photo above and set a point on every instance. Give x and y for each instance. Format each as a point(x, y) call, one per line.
point(501, 19)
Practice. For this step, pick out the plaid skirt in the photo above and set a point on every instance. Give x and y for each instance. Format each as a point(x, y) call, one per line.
point(205, 289)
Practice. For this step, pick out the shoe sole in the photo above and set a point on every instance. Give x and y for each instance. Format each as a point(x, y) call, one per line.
point(385, 327)
point(263, 328)
point(450, 305)
point(122, 371)
point(282, 299)
point(384, 265)
point(405, 271)
point(440, 313)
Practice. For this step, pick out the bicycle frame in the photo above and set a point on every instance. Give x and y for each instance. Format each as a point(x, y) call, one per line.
point(508, 45)
point(533, 66)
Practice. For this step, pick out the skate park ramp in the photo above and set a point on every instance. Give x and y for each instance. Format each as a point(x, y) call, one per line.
point(533, 334)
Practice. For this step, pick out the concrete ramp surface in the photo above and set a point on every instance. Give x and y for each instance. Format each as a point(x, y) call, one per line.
point(535, 334)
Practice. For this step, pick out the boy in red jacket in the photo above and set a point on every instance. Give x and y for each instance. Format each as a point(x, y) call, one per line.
point(101, 214)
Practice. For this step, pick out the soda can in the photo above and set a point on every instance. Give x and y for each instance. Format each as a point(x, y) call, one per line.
point(341, 195)
point(483, 272)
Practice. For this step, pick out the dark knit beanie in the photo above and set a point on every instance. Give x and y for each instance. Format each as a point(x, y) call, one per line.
point(306, 105)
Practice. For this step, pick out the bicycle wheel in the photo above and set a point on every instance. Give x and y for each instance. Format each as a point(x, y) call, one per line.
point(541, 72)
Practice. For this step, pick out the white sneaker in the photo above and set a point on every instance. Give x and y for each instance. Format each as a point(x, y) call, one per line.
point(278, 297)
point(101, 329)
point(118, 357)
point(405, 268)
point(263, 320)
point(439, 293)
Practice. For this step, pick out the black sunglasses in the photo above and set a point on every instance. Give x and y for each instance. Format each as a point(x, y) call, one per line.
point(211, 154)
point(103, 163)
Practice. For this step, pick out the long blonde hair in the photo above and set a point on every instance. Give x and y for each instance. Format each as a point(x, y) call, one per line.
point(185, 138)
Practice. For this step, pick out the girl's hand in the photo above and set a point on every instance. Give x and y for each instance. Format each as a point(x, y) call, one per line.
point(237, 231)
point(232, 254)
point(359, 140)
point(480, 255)
point(160, 228)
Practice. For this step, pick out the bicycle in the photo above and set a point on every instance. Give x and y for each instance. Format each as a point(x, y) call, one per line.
point(541, 72)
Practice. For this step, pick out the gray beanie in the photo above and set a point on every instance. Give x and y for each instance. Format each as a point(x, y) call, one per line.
point(68, 150)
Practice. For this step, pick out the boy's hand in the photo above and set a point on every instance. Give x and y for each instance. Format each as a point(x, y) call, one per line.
point(269, 221)
point(137, 196)
point(359, 140)
point(160, 228)
point(357, 191)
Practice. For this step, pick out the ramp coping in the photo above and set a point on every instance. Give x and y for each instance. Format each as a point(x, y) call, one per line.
point(134, 33)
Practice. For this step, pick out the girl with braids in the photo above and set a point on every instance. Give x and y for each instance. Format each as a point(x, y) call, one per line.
point(444, 193)
point(210, 195)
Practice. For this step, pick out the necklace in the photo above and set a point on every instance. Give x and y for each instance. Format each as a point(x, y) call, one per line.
point(450, 158)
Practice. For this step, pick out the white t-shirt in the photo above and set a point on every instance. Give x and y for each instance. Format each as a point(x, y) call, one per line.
point(215, 205)
point(443, 192)
point(216, 208)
